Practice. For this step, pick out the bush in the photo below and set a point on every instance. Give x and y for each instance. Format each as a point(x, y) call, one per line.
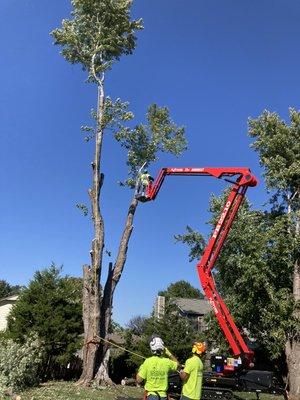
point(19, 364)
point(51, 308)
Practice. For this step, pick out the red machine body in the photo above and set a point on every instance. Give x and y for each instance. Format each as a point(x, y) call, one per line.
point(241, 179)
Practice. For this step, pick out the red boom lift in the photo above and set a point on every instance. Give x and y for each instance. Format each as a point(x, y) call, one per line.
point(226, 376)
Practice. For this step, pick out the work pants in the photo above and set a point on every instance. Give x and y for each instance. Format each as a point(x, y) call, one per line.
point(154, 397)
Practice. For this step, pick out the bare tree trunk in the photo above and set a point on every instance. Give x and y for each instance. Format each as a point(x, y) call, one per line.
point(114, 275)
point(91, 275)
point(293, 344)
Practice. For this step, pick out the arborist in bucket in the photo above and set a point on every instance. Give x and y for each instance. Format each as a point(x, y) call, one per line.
point(143, 181)
point(155, 370)
point(192, 373)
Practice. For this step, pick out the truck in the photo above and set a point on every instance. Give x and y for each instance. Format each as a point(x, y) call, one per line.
point(235, 373)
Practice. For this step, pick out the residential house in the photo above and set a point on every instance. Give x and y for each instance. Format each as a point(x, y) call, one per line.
point(192, 309)
point(6, 304)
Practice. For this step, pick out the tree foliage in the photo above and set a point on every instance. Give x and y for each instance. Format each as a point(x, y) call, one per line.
point(20, 364)
point(50, 308)
point(98, 33)
point(7, 289)
point(137, 325)
point(278, 146)
point(194, 240)
point(181, 289)
point(144, 142)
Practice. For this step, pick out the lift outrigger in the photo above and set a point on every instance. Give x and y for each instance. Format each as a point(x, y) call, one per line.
point(226, 376)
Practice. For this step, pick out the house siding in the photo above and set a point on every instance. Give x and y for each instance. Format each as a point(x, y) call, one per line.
point(5, 307)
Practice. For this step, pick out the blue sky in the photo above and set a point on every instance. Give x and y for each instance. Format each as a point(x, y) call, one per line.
point(213, 63)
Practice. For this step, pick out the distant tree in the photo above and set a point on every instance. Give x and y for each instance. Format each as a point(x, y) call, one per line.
point(181, 289)
point(7, 290)
point(98, 34)
point(51, 308)
point(137, 324)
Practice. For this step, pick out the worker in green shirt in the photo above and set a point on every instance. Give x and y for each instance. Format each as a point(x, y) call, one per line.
point(155, 370)
point(143, 181)
point(192, 374)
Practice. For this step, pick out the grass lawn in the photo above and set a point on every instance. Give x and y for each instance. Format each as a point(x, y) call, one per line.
point(68, 391)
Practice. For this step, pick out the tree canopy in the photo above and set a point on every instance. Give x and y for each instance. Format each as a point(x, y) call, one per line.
point(181, 289)
point(51, 308)
point(98, 33)
point(7, 289)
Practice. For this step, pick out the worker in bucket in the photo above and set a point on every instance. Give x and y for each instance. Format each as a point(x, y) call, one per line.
point(143, 182)
point(155, 370)
point(192, 373)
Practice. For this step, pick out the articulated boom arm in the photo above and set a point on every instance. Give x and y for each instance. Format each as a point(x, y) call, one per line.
point(241, 179)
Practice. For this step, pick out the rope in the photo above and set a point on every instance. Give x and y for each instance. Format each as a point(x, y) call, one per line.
point(122, 348)
point(97, 338)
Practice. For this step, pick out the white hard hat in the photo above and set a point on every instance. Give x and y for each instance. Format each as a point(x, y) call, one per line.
point(156, 344)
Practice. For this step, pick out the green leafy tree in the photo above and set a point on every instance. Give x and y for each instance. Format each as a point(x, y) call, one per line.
point(278, 146)
point(181, 289)
point(137, 325)
point(50, 308)
point(20, 365)
point(7, 290)
point(98, 33)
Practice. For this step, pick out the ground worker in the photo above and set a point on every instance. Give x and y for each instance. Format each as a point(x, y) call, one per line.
point(192, 374)
point(155, 370)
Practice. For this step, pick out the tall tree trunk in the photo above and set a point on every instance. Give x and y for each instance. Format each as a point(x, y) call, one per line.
point(91, 275)
point(293, 344)
point(113, 277)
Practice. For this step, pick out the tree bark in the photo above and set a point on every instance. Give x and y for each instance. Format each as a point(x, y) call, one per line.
point(113, 277)
point(91, 275)
point(293, 344)
point(292, 352)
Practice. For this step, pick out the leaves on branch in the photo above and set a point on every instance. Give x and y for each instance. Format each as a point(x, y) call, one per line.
point(98, 33)
point(194, 240)
point(146, 141)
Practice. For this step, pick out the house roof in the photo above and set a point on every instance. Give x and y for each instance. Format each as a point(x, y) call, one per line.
point(193, 306)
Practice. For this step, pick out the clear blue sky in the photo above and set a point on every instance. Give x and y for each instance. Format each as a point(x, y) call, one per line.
point(213, 63)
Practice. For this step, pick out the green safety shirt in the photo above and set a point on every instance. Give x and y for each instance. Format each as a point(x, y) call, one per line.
point(154, 371)
point(193, 385)
point(145, 179)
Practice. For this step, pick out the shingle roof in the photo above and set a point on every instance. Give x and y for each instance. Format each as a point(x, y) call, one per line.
point(193, 306)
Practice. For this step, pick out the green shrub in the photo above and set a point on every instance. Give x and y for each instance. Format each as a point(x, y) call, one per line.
point(19, 364)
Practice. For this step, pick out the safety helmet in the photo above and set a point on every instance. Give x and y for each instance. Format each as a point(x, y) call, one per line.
point(199, 348)
point(157, 345)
